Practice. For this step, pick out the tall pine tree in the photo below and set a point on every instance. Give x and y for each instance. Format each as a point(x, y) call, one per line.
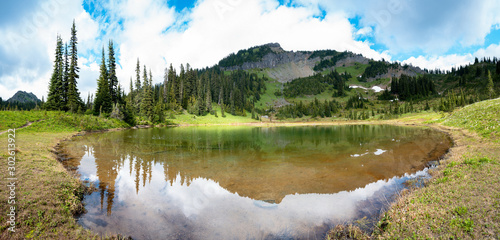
point(172, 75)
point(102, 102)
point(65, 78)
point(55, 96)
point(147, 100)
point(208, 101)
point(113, 80)
point(75, 102)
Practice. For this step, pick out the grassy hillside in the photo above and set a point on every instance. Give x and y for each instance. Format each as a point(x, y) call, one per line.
point(186, 118)
point(462, 201)
point(482, 117)
point(47, 196)
point(48, 121)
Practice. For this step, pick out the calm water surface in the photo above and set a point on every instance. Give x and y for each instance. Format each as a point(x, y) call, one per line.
point(245, 182)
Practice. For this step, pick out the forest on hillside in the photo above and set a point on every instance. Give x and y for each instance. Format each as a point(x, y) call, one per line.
point(201, 91)
point(193, 90)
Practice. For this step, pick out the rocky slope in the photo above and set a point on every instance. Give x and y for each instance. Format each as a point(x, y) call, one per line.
point(285, 66)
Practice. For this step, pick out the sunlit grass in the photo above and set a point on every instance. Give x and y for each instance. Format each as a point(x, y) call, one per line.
point(186, 118)
point(462, 200)
point(482, 117)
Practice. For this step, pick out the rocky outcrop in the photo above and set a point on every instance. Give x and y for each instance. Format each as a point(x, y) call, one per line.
point(351, 60)
point(276, 58)
point(397, 72)
point(285, 66)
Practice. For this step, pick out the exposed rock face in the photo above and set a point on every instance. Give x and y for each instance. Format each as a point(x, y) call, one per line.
point(276, 58)
point(397, 72)
point(282, 65)
point(290, 71)
point(285, 66)
point(351, 59)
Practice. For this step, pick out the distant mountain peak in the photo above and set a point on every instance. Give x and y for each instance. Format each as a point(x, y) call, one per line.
point(23, 97)
point(275, 47)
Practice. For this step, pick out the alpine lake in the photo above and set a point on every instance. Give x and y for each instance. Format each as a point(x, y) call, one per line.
point(246, 182)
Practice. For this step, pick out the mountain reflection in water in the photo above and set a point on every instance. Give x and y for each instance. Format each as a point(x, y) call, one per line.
point(245, 182)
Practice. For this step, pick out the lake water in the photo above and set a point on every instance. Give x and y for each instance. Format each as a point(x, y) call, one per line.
point(246, 182)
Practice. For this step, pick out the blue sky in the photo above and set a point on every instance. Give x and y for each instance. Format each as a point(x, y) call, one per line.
point(426, 33)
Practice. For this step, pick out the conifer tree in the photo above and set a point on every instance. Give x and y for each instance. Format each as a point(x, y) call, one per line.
point(180, 91)
point(138, 85)
point(136, 105)
point(147, 101)
point(165, 85)
point(102, 102)
point(131, 94)
point(65, 78)
point(199, 99)
point(88, 105)
point(209, 98)
point(221, 102)
point(490, 90)
point(171, 85)
point(75, 102)
point(54, 99)
point(498, 68)
point(112, 79)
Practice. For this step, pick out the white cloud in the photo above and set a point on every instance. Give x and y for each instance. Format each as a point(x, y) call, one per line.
point(440, 62)
point(453, 60)
point(365, 31)
point(433, 27)
point(28, 46)
point(491, 51)
point(158, 35)
point(217, 28)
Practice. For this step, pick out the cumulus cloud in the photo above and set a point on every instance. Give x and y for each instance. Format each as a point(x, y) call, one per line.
point(491, 51)
point(447, 62)
point(28, 44)
point(440, 62)
point(160, 35)
point(430, 26)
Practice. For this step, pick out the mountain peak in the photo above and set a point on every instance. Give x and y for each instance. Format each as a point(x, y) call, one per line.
point(23, 97)
point(275, 47)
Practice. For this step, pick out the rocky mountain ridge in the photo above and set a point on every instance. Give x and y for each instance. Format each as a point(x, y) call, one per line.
point(285, 66)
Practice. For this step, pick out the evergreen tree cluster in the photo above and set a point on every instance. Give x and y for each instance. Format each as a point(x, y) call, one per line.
point(317, 84)
point(63, 92)
point(482, 78)
point(9, 106)
point(195, 91)
point(323, 53)
point(109, 94)
point(357, 101)
point(452, 100)
point(377, 68)
point(386, 95)
point(330, 62)
point(305, 86)
point(110, 98)
point(314, 109)
point(253, 54)
point(407, 87)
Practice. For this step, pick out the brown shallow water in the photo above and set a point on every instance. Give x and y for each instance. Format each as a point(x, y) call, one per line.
point(245, 182)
